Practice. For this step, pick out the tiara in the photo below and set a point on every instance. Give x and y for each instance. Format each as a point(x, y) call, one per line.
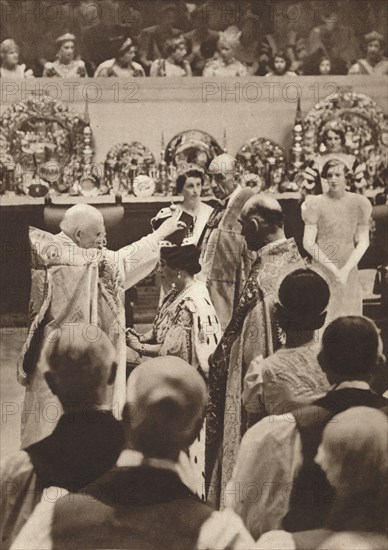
point(182, 169)
point(66, 37)
point(333, 124)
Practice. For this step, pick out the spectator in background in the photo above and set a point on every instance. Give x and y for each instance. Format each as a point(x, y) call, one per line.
point(353, 455)
point(10, 67)
point(282, 449)
point(105, 26)
point(66, 65)
point(280, 65)
point(324, 67)
point(196, 39)
point(153, 40)
point(247, 51)
point(87, 439)
point(144, 501)
point(123, 64)
point(374, 63)
point(333, 38)
point(320, 61)
point(299, 57)
point(175, 62)
point(292, 374)
point(225, 62)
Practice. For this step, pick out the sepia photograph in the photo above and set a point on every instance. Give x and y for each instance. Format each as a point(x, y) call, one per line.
point(194, 274)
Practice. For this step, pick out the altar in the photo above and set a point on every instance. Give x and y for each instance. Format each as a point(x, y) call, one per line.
point(121, 143)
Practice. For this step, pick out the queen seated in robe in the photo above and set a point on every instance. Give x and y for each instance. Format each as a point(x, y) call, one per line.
point(185, 326)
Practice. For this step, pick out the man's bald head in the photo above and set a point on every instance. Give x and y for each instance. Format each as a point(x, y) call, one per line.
point(223, 173)
point(166, 399)
point(262, 220)
point(84, 224)
point(223, 163)
point(79, 362)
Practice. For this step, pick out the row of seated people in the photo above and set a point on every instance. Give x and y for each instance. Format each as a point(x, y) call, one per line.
point(218, 56)
point(256, 342)
point(257, 38)
point(96, 482)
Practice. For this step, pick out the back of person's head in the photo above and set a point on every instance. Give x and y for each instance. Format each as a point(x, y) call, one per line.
point(351, 349)
point(79, 362)
point(356, 541)
point(381, 199)
point(165, 406)
point(185, 258)
point(355, 444)
point(303, 298)
point(266, 210)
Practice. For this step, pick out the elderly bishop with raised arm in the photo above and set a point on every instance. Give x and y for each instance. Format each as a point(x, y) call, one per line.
point(76, 280)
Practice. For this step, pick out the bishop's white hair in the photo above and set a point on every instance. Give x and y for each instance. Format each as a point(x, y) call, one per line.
point(78, 217)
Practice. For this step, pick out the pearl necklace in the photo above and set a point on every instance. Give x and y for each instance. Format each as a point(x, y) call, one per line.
point(182, 292)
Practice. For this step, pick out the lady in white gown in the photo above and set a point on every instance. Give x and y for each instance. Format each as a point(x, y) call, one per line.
point(66, 65)
point(336, 234)
point(10, 66)
point(123, 65)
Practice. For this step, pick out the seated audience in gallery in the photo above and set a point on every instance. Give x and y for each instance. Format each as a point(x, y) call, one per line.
point(333, 37)
point(198, 38)
point(299, 57)
point(185, 326)
point(175, 62)
point(291, 375)
point(145, 500)
point(319, 63)
point(374, 63)
point(353, 455)
point(225, 62)
point(66, 64)
point(10, 66)
point(123, 64)
point(152, 40)
point(78, 372)
point(247, 51)
point(104, 26)
point(280, 65)
point(283, 448)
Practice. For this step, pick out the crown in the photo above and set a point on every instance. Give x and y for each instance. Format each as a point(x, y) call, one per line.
point(187, 241)
point(374, 35)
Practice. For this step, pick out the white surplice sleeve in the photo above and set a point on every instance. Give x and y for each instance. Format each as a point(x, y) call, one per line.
point(269, 459)
point(36, 534)
point(137, 260)
point(224, 531)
